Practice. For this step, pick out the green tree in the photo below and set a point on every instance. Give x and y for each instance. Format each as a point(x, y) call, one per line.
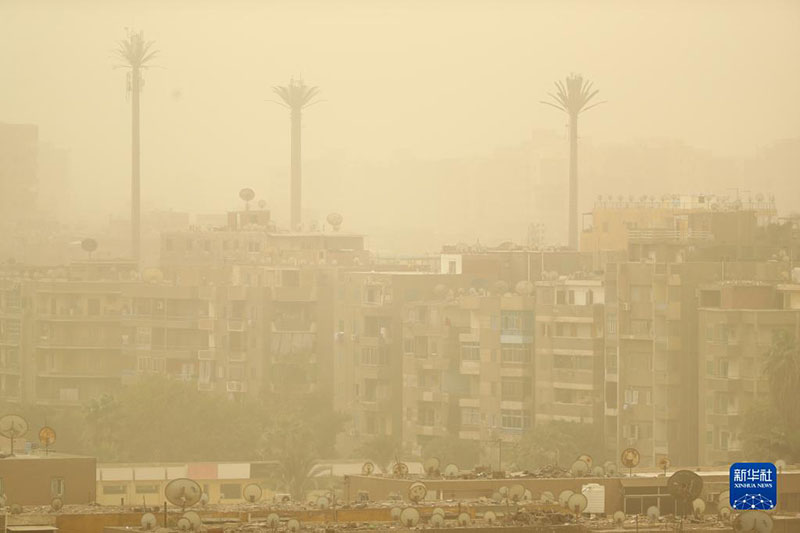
point(451, 449)
point(556, 442)
point(766, 436)
point(782, 368)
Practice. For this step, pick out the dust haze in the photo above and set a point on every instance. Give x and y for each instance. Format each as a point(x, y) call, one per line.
point(431, 117)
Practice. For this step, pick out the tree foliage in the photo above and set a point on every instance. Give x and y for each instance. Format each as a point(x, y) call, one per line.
point(557, 442)
point(381, 450)
point(451, 449)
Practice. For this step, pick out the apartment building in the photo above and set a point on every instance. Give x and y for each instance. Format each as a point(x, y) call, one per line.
point(737, 321)
point(569, 360)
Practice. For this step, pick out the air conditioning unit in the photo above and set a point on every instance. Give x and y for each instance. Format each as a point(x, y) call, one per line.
point(234, 386)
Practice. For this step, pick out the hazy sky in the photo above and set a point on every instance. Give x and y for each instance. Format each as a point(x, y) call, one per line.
point(427, 79)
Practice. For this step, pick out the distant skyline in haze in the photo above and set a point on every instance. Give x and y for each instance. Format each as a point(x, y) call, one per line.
point(399, 80)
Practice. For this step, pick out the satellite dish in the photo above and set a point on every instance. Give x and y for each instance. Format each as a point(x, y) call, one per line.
point(400, 469)
point(273, 520)
point(16, 508)
point(586, 458)
point(528, 496)
point(195, 519)
point(323, 502)
point(438, 510)
point(367, 468)
point(436, 520)
point(516, 492)
point(417, 491)
point(497, 497)
point(335, 220)
point(247, 194)
point(47, 436)
point(56, 504)
point(663, 463)
point(563, 497)
point(725, 513)
point(395, 512)
point(598, 471)
point(89, 245)
point(409, 517)
point(251, 493)
point(780, 464)
point(698, 506)
point(685, 486)
point(431, 466)
point(611, 468)
point(630, 457)
point(183, 492)
point(579, 468)
point(619, 518)
point(12, 427)
point(262, 204)
point(451, 470)
point(203, 500)
point(490, 517)
point(577, 503)
point(464, 519)
point(503, 491)
point(756, 521)
point(184, 524)
point(149, 521)
point(547, 497)
point(293, 524)
point(653, 513)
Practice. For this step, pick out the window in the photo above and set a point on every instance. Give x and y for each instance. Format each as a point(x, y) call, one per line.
point(408, 345)
point(514, 419)
point(470, 351)
point(370, 390)
point(372, 356)
point(517, 322)
point(426, 415)
point(114, 489)
point(514, 388)
point(589, 297)
point(724, 440)
point(451, 267)
point(470, 416)
point(57, 487)
point(515, 353)
point(230, 491)
point(641, 327)
point(146, 489)
point(564, 396)
point(611, 324)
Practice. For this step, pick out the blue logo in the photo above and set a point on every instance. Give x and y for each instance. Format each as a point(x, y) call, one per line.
point(754, 486)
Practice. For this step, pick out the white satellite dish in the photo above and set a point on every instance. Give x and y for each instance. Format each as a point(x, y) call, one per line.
point(698, 506)
point(417, 491)
point(464, 520)
point(204, 500)
point(293, 525)
point(251, 493)
point(503, 491)
point(586, 458)
point(597, 471)
point(619, 518)
point(653, 513)
point(547, 497)
point(490, 517)
point(753, 521)
point(577, 503)
point(323, 502)
point(579, 468)
point(195, 519)
point(516, 492)
point(273, 520)
point(451, 470)
point(436, 520)
point(528, 495)
point(367, 468)
point(409, 517)
point(438, 510)
point(724, 499)
point(183, 492)
point(431, 466)
point(395, 512)
point(725, 513)
point(563, 497)
point(183, 524)
point(149, 521)
point(780, 464)
point(497, 497)
point(56, 504)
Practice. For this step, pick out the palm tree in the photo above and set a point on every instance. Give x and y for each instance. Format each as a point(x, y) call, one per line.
point(296, 96)
point(573, 96)
point(136, 54)
point(782, 368)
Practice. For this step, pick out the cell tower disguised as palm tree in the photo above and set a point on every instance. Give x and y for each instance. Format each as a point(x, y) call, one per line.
point(136, 54)
point(573, 96)
point(296, 96)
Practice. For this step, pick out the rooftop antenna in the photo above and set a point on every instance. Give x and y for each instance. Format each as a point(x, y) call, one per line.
point(89, 246)
point(335, 220)
point(573, 96)
point(183, 493)
point(252, 493)
point(247, 194)
point(12, 427)
point(409, 517)
point(47, 437)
